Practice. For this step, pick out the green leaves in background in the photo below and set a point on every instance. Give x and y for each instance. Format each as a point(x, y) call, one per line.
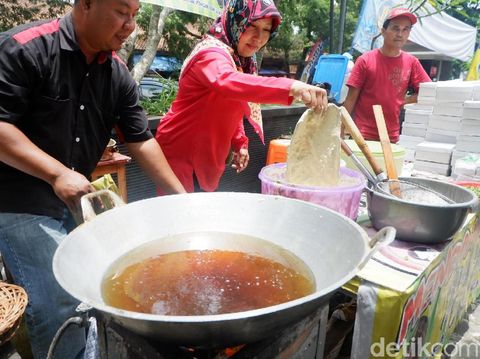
point(159, 105)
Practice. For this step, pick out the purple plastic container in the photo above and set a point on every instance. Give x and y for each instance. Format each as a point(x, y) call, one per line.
point(344, 199)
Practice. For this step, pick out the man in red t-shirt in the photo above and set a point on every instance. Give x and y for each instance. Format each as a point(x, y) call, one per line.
point(382, 77)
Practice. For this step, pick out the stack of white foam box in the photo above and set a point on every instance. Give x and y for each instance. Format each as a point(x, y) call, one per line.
point(467, 168)
point(417, 115)
point(409, 143)
point(468, 140)
point(426, 93)
point(445, 121)
point(434, 157)
point(466, 156)
point(476, 91)
point(452, 131)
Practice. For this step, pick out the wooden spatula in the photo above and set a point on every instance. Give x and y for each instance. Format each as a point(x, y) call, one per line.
point(348, 151)
point(387, 151)
point(352, 128)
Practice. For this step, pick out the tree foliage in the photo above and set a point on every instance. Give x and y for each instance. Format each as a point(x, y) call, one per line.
point(17, 12)
point(468, 12)
point(182, 29)
point(307, 21)
point(304, 22)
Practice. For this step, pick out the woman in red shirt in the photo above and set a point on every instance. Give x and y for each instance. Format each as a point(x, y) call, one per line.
point(219, 86)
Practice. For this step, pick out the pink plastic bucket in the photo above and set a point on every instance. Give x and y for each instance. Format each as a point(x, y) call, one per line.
point(343, 199)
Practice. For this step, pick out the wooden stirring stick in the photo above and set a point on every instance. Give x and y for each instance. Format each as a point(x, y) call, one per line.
point(365, 171)
point(352, 128)
point(387, 151)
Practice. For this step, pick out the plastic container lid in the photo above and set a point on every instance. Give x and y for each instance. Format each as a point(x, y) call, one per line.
point(398, 153)
point(376, 148)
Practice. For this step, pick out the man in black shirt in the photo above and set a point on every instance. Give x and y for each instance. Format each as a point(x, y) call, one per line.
point(62, 90)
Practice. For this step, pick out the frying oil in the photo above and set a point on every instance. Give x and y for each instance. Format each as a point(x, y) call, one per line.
point(206, 281)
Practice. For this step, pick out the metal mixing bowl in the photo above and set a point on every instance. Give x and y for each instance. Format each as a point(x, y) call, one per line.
point(422, 223)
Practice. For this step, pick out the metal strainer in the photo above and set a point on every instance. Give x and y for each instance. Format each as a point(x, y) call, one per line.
point(409, 191)
point(414, 193)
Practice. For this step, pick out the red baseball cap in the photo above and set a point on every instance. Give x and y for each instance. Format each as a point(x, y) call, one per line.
point(401, 11)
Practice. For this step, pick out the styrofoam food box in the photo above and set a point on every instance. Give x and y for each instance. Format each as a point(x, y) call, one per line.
point(434, 152)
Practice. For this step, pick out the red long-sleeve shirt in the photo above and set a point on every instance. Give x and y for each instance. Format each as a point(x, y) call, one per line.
point(205, 120)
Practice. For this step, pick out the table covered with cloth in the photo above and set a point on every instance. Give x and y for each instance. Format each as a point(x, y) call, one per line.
point(410, 296)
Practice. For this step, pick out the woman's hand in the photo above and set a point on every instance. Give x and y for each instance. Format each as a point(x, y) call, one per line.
point(240, 159)
point(313, 97)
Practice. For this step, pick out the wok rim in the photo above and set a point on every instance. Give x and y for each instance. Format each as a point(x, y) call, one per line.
point(131, 315)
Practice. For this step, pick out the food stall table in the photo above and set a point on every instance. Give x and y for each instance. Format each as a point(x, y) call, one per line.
point(410, 296)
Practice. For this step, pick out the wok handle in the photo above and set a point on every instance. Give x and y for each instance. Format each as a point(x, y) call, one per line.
point(474, 205)
point(103, 200)
point(382, 238)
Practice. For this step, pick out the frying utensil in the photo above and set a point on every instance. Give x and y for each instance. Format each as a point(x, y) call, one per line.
point(352, 128)
point(422, 222)
point(348, 151)
point(413, 189)
point(387, 151)
point(410, 191)
point(414, 192)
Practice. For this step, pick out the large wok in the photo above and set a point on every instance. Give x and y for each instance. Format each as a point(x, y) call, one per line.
point(333, 246)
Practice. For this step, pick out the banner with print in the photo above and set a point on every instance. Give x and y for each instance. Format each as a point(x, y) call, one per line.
point(370, 22)
point(474, 71)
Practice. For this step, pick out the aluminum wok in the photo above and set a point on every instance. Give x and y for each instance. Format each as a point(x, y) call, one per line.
point(331, 245)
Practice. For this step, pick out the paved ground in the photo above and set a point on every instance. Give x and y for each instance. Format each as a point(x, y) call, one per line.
point(7, 352)
point(466, 339)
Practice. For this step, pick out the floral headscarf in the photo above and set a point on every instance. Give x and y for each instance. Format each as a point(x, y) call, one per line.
point(236, 17)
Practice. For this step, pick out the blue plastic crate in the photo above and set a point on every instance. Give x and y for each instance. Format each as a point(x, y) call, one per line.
point(331, 69)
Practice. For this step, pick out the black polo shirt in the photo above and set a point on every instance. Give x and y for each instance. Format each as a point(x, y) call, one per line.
point(63, 105)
